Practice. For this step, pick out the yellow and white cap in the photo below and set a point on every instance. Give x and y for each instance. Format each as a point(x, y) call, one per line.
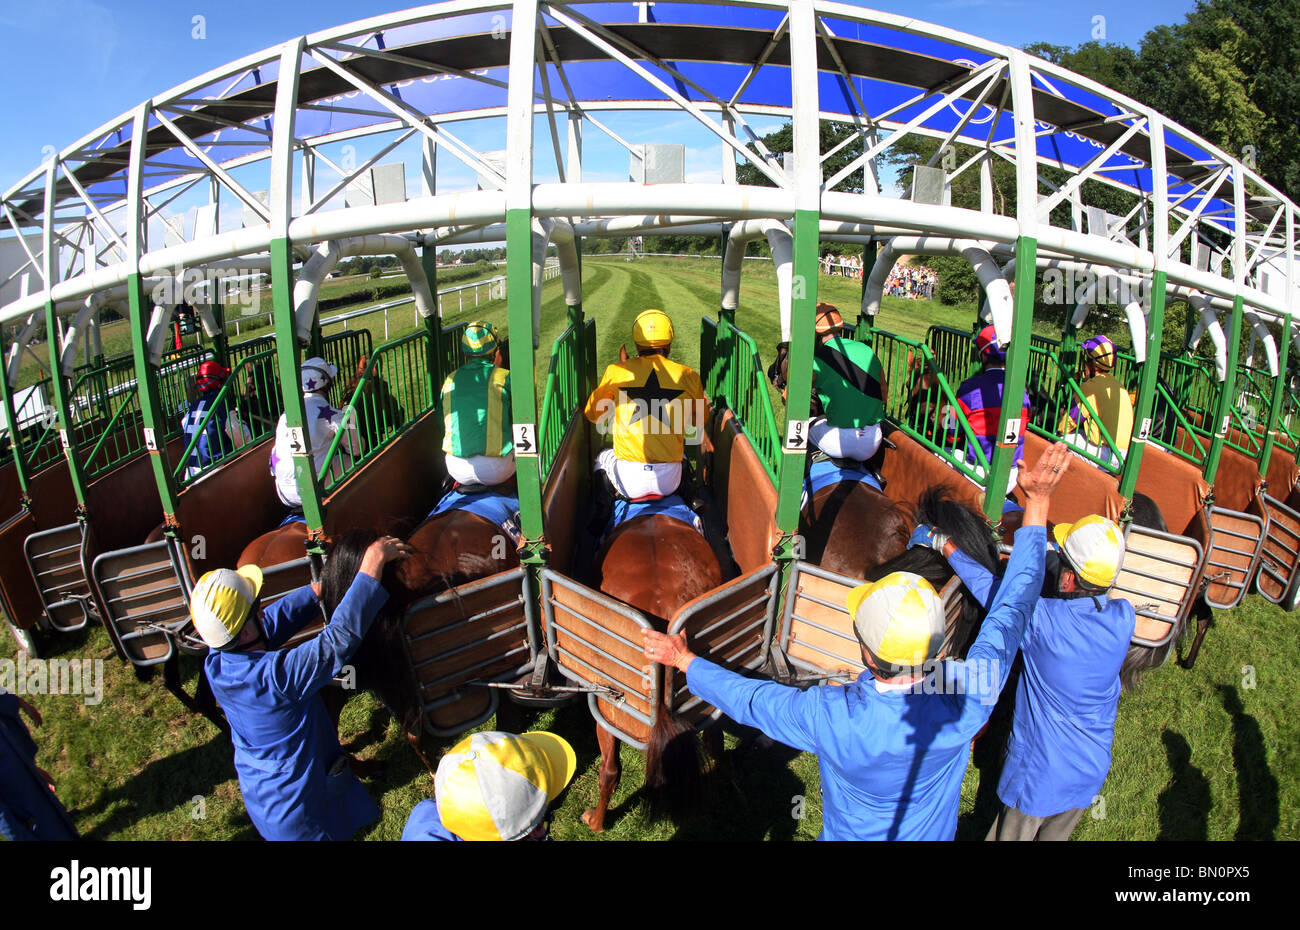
point(221, 601)
point(497, 786)
point(652, 329)
point(899, 620)
point(1094, 548)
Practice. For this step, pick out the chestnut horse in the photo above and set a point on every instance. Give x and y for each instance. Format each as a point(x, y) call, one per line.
point(449, 549)
point(656, 564)
point(849, 527)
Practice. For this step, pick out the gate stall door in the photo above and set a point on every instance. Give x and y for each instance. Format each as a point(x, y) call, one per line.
point(1159, 578)
point(461, 641)
point(596, 643)
point(816, 641)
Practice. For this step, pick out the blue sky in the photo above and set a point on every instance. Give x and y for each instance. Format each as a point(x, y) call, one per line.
point(71, 65)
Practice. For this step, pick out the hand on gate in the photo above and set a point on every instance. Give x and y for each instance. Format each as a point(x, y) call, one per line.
point(667, 650)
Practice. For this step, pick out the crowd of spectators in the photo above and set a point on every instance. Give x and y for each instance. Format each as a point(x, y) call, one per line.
point(912, 282)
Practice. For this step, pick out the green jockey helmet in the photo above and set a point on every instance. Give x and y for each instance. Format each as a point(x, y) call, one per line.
point(479, 339)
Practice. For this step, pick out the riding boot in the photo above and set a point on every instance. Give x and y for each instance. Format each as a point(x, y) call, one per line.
point(602, 503)
point(689, 491)
point(774, 370)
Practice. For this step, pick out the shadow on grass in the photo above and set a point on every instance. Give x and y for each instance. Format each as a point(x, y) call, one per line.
point(749, 793)
point(1185, 802)
point(990, 748)
point(1257, 789)
point(164, 785)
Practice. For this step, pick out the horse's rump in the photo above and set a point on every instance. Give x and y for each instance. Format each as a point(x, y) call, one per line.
point(656, 564)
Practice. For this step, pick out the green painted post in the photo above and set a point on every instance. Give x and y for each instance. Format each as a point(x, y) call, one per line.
point(799, 391)
point(1013, 390)
point(152, 416)
point(1227, 389)
point(523, 375)
point(62, 403)
point(288, 362)
point(220, 344)
point(15, 434)
point(1279, 392)
point(1148, 379)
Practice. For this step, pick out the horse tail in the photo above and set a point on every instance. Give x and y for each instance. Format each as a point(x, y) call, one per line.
point(969, 530)
point(1147, 513)
point(673, 775)
point(1141, 659)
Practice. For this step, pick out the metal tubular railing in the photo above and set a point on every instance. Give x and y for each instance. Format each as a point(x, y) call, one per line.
point(1054, 421)
point(345, 350)
point(252, 395)
point(926, 408)
point(734, 378)
point(450, 354)
point(391, 394)
point(105, 398)
point(564, 396)
point(39, 444)
point(954, 352)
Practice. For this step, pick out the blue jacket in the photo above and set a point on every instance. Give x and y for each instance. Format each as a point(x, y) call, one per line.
point(1059, 752)
point(892, 762)
point(285, 742)
point(28, 809)
point(425, 823)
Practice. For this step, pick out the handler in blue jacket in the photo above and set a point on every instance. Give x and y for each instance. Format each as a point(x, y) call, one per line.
point(292, 771)
point(1059, 752)
point(893, 745)
point(28, 808)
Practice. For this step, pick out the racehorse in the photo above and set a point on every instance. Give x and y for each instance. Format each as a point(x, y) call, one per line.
point(849, 527)
point(449, 549)
point(656, 564)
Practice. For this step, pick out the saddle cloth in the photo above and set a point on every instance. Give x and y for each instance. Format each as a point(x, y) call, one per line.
point(502, 509)
point(670, 506)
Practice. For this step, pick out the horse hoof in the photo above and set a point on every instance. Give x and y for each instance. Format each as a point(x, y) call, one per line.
point(589, 818)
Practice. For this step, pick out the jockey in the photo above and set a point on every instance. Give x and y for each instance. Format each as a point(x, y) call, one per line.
point(850, 403)
point(495, 786)
point(321, 425)
point(980, 399)
point(224, 432)
point(292, 772)
point(653, 406)
point(893, 745)
point(1106, 396)
point(1059, 752)
point(476, 410)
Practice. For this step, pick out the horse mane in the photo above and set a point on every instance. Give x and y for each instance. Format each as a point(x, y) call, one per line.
point(970, 532)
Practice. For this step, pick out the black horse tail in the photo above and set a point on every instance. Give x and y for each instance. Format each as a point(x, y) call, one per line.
point(673, 775)
point(969, 530)
point(1146, 513)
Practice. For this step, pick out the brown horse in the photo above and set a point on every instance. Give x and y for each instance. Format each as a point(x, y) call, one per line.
point(378, 410)
point(849, 527)
point(656, 564)
point(450, 549)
